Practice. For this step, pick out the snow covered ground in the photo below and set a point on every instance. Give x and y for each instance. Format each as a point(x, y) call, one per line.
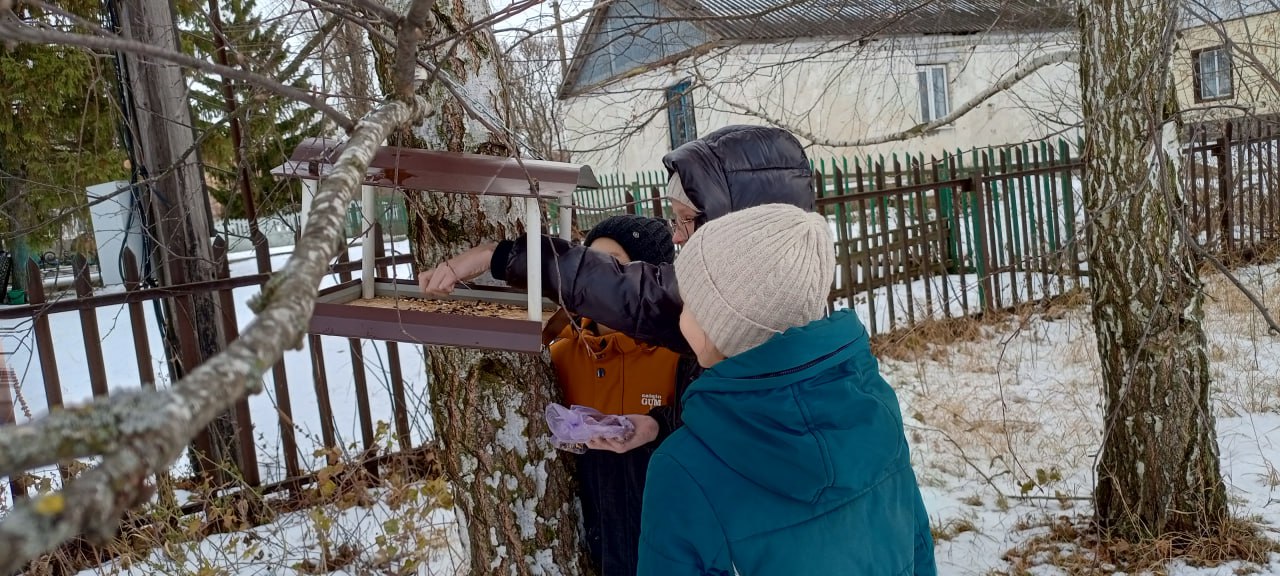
point(1004, 430)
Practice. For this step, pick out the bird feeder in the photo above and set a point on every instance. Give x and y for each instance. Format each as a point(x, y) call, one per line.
point(391, 309)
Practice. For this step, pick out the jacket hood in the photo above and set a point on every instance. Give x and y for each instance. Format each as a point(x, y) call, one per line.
point(738, 167)
point(777, 413)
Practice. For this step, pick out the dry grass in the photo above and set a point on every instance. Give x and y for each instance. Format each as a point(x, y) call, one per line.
point(1078, 546)
point(166, 539)
point(1243, 357)
point(931, 338)
point(952, 528)
point(1011, 405)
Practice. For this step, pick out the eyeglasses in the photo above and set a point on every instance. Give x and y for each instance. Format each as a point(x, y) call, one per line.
point(676, 223)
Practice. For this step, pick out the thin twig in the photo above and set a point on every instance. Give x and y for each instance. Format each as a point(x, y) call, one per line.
point(24, 33)
point(922, 129)
point(148, 442)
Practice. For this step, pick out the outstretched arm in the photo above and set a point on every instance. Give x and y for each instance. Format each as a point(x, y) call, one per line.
point(639, 299)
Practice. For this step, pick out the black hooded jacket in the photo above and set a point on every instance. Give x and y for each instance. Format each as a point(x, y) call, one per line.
point(730, 169)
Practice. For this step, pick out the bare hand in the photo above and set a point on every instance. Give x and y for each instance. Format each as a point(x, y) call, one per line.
point(646, 432)
point(467, 266)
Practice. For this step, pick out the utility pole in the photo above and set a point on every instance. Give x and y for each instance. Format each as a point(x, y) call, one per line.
point(178, 203)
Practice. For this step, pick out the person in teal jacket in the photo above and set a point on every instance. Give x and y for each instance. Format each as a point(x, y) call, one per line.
point(792, 459)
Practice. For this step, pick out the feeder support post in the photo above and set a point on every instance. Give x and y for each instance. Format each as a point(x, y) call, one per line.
point(533, 237)
point(308, 194)
point(566, 217)
point(368, 214)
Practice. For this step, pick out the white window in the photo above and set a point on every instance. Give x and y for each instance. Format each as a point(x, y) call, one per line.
point(934, 99)
point(1213, 73)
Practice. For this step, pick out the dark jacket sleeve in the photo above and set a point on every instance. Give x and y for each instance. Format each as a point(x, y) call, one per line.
point(639, 299)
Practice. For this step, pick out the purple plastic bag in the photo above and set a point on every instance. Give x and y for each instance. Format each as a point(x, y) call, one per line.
point(571, 428)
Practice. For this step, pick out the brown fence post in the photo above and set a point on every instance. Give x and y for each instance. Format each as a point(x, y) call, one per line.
point(657, 201)
point(367, 436)
point(9, 417)
point(89, 329)
point(247, 450)
point(631, 203)
point(399, 396)
point(44, 347)
point(1225, 183)
point(986, 292)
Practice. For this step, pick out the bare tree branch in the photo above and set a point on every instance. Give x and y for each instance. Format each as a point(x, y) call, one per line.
point(9, 32)
point(139, 434)
point(1031, 67)
point(411, 31)
point(147, 441)
point(307, 49)
point(376, 7)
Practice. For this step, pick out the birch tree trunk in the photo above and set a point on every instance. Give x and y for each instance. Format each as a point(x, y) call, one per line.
point(1158, 474)
point(515, 496)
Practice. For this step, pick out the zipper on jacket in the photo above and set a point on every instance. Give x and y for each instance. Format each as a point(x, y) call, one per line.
point(804, 366)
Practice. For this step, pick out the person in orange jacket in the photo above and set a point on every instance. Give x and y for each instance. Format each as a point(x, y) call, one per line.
point(603, 369)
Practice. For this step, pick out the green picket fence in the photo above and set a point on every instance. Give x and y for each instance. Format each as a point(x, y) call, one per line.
point(1000, 223)
point(391, 214)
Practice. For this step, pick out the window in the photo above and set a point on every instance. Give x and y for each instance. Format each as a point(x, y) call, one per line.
point(934, 103)
point(680, 114)
point(1212, 73)
point(633, 34)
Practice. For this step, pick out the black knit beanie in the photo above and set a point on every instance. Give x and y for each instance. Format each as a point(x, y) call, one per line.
point(645, 239)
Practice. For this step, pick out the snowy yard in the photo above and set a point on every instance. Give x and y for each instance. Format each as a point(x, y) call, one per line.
point(1004, 430)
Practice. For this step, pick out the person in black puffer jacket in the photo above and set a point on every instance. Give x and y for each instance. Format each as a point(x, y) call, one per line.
point(729, 169)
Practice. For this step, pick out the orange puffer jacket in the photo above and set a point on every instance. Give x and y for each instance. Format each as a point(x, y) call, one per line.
point(613, 373)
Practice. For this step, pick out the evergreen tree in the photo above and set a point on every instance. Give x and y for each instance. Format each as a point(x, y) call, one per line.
point(271, 125)
point(58, 134)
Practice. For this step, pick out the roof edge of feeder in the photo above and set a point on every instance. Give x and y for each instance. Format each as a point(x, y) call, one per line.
point(416, 169)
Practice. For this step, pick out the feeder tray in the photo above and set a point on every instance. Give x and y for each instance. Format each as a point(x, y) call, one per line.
point(492, 318)
point(475, 317)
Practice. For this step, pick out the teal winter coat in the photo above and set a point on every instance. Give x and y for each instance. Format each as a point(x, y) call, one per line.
point(792, 461)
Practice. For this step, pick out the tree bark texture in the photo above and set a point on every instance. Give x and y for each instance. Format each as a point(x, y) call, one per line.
point(515, 494)
point(1158, 473)
point(180, 205)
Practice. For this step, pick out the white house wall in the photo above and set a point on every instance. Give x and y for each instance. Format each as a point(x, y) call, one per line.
point(836, 93)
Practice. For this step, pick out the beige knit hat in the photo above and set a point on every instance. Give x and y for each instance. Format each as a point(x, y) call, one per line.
point(755, 273)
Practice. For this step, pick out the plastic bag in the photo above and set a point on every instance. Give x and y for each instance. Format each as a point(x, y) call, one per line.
point(571, 428)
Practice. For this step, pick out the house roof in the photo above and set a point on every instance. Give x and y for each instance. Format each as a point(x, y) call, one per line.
point(1204, 12)
point(773, 20)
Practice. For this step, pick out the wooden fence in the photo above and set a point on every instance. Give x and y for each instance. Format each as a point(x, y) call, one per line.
point(245, 469)
point(1233, 186)
point(916, 240)
point(951, 236)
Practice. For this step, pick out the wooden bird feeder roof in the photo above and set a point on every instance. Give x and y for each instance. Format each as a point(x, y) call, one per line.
point(348, 309)
point(417, 169)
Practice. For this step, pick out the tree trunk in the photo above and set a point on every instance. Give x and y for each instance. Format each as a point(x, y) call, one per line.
point(515, 494)
point(1159, 472)
point(179, 204)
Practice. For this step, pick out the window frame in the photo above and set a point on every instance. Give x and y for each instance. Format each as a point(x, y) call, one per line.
point(678, 100)
point(927, 93)
point(1198, 76)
